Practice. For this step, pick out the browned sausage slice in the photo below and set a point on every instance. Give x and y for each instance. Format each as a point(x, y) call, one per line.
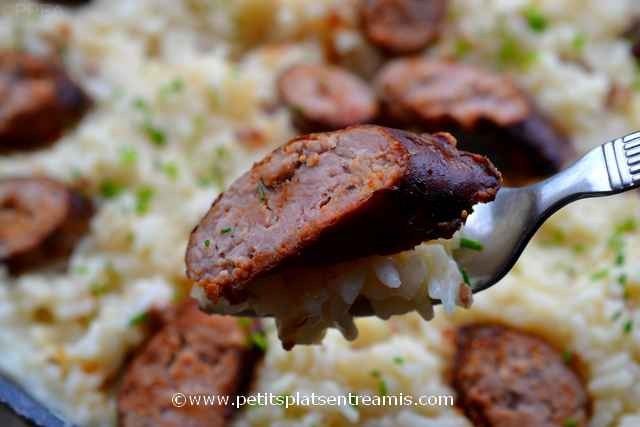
point(506, 378)
point(488, 111)
point(39, 101)
point(41, 220)
point(438, 93)
point(323, 97)
point(402, 26)
point(193, 354)
point(336, 196)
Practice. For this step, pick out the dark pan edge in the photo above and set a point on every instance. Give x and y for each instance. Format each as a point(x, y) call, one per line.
point(26, 407)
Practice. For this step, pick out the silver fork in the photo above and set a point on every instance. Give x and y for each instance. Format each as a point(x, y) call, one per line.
point(506, 225)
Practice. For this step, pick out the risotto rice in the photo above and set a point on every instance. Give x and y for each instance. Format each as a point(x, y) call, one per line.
point(186, 101)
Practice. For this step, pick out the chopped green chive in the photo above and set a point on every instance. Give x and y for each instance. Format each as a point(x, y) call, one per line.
point(570, 422)
point(259, 341)
point(567, 357)
point(139, 319)
point(471, 244)
point(627, 226)
point(98, 289)
point(383, 390)
point(617, 315)
point(620, 259)
point(262, 191)
point(110, 189)
point(173, 87)
point(579, 41)
point(461, 48)
point(144, 195)
point(244, 322)
point(171, 170)
point(465, 277)
point(207, 243)
point(579, 248)
point(622, 279)
point(156, 135)
point(128, 156)
point(628, 326)
point(536, 20)
point(141, 105)
point(226, 230)
point(511, 53)
point(398, 360)
point(599, 275)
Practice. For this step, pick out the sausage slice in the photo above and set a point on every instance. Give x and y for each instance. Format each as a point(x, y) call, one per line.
point(39, 101)
point(336, 196)
point(41, 221)
point(193, 354)
point(402, 27)
point(325, 97)
point(489, 113)
point(506, 378)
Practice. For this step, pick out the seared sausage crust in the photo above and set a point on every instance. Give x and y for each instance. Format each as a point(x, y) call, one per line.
point(193, 353)
point(401, 27)
point(41, 221)
point(506, 378)
point(39, 101)
point(336, 196)
point(487, 111)
point(323, 97)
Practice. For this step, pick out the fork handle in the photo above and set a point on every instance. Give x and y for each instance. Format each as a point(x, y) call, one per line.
point(612, 168)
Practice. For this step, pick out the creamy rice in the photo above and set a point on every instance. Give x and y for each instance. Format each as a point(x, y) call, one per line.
point(201, 73)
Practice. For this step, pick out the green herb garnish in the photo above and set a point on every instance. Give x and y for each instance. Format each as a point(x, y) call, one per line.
point(156, 135)
point(141, 105)
point(599, 275)
point(383, 390)
point(471, 244)
point(144, 195)
point(244, 322)
point(262, 191)
point(226, 230)
point(98, 289)
point(622, 279)
point(579, 41)
point(259, 341)
point(617, 315)
point(207, 243)
point(171, 170)
point(465, 277)
point(536, 20)
point(461, 48)
point(173, 87)
point(139, 319)
point(628, 326)
point(567, 357)
point(128, 156)
point(570, 422)
point(398, 360)
point(627, 226)
point(511, 53)
point(110, 189)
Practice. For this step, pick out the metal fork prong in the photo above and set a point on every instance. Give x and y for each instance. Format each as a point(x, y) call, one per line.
point(633, 160)
point(632, 151)
point(632, 137)
point(633, 144)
